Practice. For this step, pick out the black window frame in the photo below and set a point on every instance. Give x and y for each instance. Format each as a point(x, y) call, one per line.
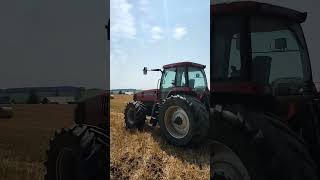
point(185, 76)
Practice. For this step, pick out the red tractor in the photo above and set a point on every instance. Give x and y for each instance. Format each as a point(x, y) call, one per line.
point(180, 105)
point(264, 108)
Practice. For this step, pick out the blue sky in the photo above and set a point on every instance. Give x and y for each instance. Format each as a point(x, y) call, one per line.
point(152, 33)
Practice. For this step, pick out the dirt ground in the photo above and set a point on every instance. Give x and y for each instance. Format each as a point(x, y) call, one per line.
point(24, 139)
point(146, 155)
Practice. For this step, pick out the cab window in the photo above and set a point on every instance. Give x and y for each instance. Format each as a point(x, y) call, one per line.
point(168, 79)
point(197, 79)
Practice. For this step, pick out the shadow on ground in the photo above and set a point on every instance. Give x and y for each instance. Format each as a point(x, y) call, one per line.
point(183, 153)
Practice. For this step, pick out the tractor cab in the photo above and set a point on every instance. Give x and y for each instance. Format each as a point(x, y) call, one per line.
point(183, 78)
point(262, 93)
point(259, 56)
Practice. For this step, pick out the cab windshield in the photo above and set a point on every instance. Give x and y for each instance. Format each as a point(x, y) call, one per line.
point(278, 51)
point(176, 77)
point(270, 51)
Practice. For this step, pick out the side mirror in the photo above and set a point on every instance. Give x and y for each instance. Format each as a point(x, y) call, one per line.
point(280, 43)
point(145, 70)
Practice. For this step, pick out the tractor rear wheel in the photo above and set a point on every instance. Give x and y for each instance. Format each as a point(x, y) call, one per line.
point(183, 120)
point(276, 154)
point(79, 153)
point(135, 115)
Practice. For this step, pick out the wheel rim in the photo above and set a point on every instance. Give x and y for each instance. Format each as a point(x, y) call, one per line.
point(65, 165)
point(130, 116)
point(226, 165)
point(177, 122)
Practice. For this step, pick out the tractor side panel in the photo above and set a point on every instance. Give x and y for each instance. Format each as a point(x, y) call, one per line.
point(147, 96)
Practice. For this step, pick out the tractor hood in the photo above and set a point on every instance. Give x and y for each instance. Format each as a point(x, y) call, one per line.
point(146, 95)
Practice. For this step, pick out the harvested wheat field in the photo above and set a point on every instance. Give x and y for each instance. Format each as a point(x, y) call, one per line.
point(146, 155)
point(24, 139)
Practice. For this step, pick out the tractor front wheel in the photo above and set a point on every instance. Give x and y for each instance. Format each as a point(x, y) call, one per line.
point(135, 115)
point(183, 120)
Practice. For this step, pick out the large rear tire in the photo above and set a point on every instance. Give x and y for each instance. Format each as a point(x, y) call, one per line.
point(79, 153)
point(278, 154)
point(135, 115)
point(183, 120)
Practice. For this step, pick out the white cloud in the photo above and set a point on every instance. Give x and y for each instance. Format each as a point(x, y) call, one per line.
point(122, 20)
point(118, 56)
point(156, 33)
point(144, 5)
point(179, 32)
point(122, 27)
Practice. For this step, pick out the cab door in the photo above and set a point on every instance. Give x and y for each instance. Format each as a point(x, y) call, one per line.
point(168, 82)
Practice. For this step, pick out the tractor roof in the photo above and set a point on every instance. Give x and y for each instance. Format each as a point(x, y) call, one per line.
point(257, 8)
point(180, 64)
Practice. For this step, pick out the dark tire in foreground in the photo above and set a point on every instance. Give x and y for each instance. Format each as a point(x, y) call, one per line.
point(277, 154)
point(135, 115)
point(183, 120)
point(79, 153)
